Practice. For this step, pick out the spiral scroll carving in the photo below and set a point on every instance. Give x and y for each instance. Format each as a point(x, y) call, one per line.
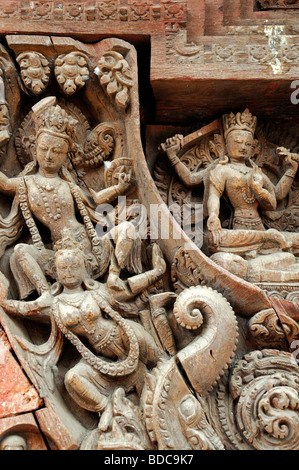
point(208, 314)
point(264, 386)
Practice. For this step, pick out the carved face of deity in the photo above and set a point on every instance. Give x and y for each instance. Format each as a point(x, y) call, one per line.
point(70, 268)
point(239, 145)
point(51, 152)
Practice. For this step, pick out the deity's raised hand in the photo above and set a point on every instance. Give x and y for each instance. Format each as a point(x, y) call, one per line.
point(291, 159)
point(124, 180)
point(173, 145)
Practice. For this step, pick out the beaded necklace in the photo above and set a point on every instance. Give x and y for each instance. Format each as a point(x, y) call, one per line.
point(247, 195)
point(47, 188)
point(29, 220)
point(117, 369)
point(97, 247)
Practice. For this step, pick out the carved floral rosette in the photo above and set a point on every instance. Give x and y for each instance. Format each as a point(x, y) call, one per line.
point(259, 405)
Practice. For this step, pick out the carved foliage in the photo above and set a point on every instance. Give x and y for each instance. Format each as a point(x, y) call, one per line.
point(269, 330)
point(71, 71)
point(35, 71)
point(99, 145)
point(184, 271)
point(116, 78)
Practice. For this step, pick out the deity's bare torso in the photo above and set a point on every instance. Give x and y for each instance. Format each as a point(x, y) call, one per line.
point(51, 202)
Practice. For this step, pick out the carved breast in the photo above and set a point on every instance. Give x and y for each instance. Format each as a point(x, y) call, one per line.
point(238, 187)
point(79, 312)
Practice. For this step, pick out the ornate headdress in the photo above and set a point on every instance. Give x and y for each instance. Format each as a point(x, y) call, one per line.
point(53, 120)
point(239, 122)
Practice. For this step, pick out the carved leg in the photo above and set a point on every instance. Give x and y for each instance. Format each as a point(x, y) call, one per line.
point(82, 383)
point(276, 267)
point(123, 236)
point(159, 315)
point(293, 239)
point(243, 241)
point(26, 264)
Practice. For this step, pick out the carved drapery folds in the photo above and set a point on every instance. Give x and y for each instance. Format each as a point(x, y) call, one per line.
point(132, 341)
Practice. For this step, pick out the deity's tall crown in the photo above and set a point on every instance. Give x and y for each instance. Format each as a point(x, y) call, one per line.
point(239, 122)
point(52, 119)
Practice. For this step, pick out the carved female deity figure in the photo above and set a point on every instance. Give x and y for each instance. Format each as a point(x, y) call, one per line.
point(249, 192)
point(46, 192)
point(81, 308)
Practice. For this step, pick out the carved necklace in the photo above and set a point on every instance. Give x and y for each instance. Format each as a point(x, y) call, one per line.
point(240, 168)
point(24, 206)
point(88, 326)
point(48, 188)
point(98, 249)
point(97, 246)
point(72, 303)
point(247, 195)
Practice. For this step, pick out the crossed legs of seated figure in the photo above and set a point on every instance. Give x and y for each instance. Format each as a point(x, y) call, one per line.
point(31, 266)
point(258, 256)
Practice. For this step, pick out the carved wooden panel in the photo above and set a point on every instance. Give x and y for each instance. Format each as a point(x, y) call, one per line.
point(149, 292)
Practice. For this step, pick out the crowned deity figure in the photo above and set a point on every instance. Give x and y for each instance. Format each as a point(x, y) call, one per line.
point(46, 194)
point(247, 249)
point(117, 350)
